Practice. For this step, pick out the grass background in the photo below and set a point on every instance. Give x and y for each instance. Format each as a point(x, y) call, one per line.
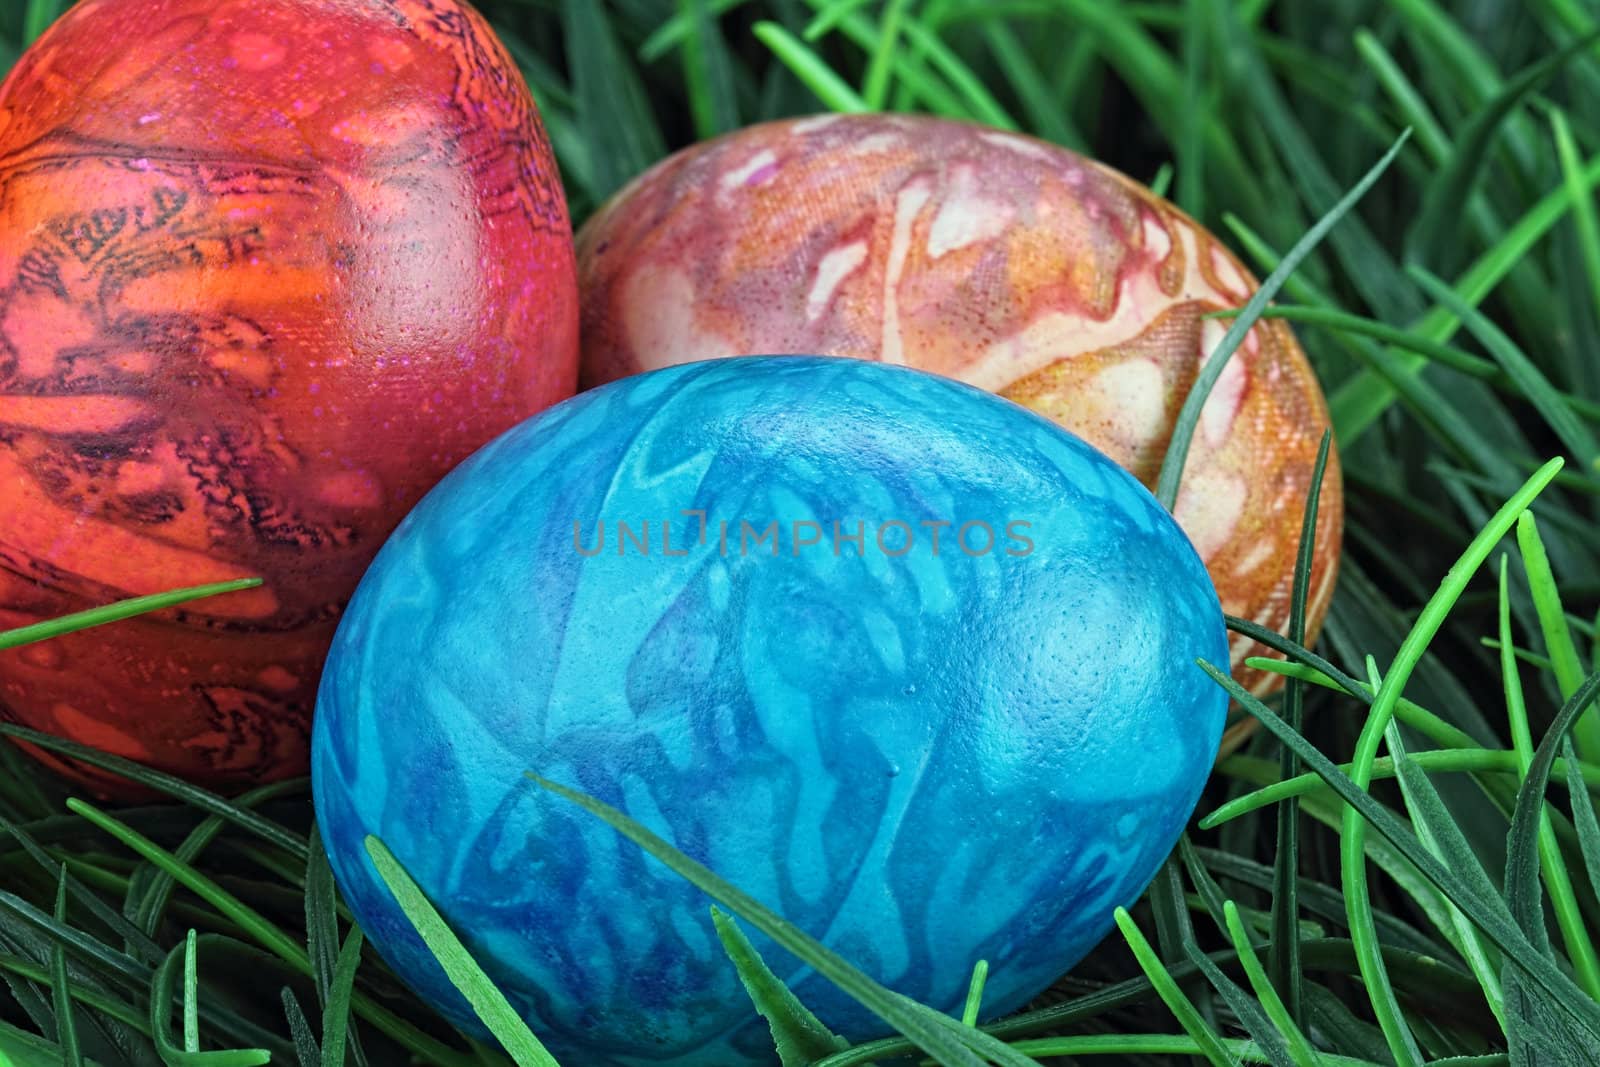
point(1453, 318)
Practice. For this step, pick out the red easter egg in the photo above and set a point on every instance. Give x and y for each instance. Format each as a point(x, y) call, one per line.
point(268, 270)
point(1003, 261)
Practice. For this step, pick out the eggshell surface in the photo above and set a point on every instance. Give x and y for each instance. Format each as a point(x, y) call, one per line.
point(1003, 261)
point(268, 269)
point(905, 661)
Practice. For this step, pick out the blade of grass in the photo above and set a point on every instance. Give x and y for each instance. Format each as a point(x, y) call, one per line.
point(834, 92)
point(1564, 659)
point(980, 976)
point(1216, 361)
point(1583, 210)
point(61, 987)
point(1300, 1050)
point(1525, 857)
point(938, 1035)
point(1207, 1041)
point(875, 85)
point(336, 1015)
point(122, 609)
point(708, 72)
point(487, 1001)
point(799, 1036)
point(305, 1044)
point(1284, 951)
point(1503, 934)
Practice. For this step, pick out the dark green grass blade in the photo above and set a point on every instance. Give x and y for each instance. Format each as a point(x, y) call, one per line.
point(487, 1001)
point(174, 787)
point(1283, 955)
point(61, 987)
point(1522, 862)
point(1216, 362)
point(1174, 932)
point(799, 1036)
point(1583, 818)
point(1436, 230)
point(612, 106)
point(336, 1014)
point(941, 1037)
point(1575, 435)
point(1505, 935)
point(122, 609)
point(305, 1043)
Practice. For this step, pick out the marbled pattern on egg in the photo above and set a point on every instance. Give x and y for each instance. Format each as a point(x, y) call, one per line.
point(1003, 261)
point(922, 757)
point(268, 269)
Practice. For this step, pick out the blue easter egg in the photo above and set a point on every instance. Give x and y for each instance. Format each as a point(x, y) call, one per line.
point(907, 662)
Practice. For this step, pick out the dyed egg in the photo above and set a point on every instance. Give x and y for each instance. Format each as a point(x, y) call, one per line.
point(268, 269)
point(1000, 260)
point(904, 660)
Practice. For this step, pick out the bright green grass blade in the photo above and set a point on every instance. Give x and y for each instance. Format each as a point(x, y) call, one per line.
point(1573, 433)
point(264, 932)
point(830, 13)
point(1564, 659)
point(305, 1043)
point(708, 72)
point(940, 1036)
point(675, 30)
point(1401, 1042)
point(1454, 761)
point(1300, 1050)
point(122, 609)
point(875, 84)
point(1484, 914)
point(1189, 414)
point(972, 99)
point(613, 108)
point(191, 996)
point(182, 957)
point(1437, 227)
point(1283, 953)
point(974, 1003)
point(1358, 402)
point(38, 16)
point(834, 92)
point(487, 1001)
point(1162, 180)
point(799, 1036)
point(1246, 1010)
point(1543, 850)
point(1207, 1040)
point(61, 987)
point(336, 1015)
point(1583, 210)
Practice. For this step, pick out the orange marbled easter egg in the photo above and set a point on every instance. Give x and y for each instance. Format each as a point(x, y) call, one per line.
point(268, 270)
point(1000, 260)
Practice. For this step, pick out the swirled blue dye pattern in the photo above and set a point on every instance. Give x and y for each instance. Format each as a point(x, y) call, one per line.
point(923, 757)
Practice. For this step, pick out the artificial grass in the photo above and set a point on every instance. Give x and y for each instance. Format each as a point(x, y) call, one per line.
point(1330, 905)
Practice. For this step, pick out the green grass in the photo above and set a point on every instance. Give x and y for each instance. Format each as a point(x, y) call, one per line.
point(1403, 867)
